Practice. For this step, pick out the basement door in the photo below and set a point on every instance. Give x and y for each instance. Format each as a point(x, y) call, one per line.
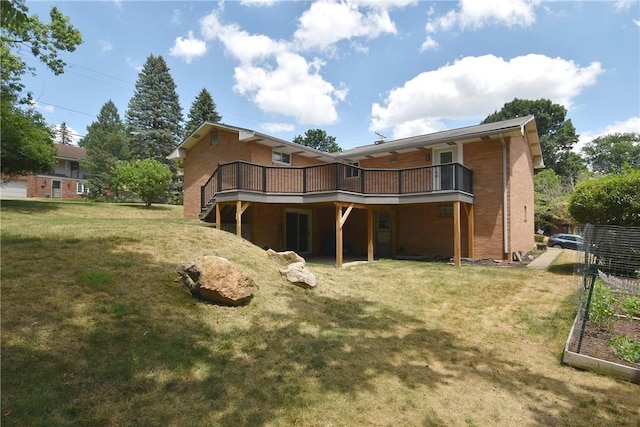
point(298, 231)
point(382, 230)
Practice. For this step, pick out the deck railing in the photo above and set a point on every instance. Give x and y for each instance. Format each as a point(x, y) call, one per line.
point(336, 177)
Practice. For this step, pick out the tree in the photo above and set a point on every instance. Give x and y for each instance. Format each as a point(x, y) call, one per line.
point(154, 116)
point(20, 32)
point(147, 178)
point(106, 144)
point(551, 198)
point(26, 142)
point(203, 109)
point(610, 199)
point(64, 134)
point(318, 139)
point(610, 153)
point(557, 134)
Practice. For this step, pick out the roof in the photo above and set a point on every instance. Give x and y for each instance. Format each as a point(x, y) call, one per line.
point(247, 135)
point(71, 152)
point(519, 126)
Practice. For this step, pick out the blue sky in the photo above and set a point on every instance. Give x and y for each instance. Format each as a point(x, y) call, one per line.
point(356, 69)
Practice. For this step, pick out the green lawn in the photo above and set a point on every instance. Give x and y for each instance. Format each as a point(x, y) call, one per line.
point(96, 332)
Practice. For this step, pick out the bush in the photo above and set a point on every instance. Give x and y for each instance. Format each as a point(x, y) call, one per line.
point(610, 199)
point(147, 178)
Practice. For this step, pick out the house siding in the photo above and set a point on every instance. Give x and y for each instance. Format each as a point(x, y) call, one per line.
point(521, 207)
point(485, 159)
point(203, 159)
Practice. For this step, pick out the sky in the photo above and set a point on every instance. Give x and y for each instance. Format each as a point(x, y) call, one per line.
point(360, 70)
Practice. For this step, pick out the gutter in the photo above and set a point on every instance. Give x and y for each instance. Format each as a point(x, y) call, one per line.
point(505, 224)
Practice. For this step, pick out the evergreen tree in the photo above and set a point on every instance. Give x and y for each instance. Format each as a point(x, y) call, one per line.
point(106, 144)
point(154, 116)
point(203, 109)
point(64, 134)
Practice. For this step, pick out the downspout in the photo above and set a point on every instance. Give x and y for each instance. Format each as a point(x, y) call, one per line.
point(505, 224)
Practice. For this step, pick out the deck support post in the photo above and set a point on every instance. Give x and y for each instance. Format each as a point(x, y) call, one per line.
point(341, 218)
point(218, 219)
point(370, 234)
point(240, 208)
point(456, 234)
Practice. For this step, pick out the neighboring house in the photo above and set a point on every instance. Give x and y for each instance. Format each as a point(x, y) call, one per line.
point(464, 192)
point(67, 180)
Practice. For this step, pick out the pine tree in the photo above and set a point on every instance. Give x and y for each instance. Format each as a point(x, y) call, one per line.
point(203, 109)
point(65, 135)
point(154, 115)
point(106, 144)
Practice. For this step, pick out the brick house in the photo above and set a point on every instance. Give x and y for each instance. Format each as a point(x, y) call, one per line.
point(464, 192)
point(67, 180)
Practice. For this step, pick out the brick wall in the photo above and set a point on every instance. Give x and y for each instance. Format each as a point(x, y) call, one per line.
point(521, 204)
point(485, 159)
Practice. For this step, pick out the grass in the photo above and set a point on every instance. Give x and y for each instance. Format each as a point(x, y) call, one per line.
point(96, 332)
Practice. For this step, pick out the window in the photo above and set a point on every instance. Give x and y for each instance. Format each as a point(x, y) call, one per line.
point(81, 188)
point(352, 172)
point(280, 157)
point(445, 211)
point(213, 138)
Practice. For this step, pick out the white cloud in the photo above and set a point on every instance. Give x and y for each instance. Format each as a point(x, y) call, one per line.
point(241, 45)
point(417, 127)
point(631, 125)
point(429, 44)
point(477, 14)
point(621, 5)
point(327, 22)
point(46, 108)
point(292, 88)
point(176, 17)
point(259, 3)
point(472, 87)
point(134, 64)
point(278, 127)
point(188, 48)
point(105, 46)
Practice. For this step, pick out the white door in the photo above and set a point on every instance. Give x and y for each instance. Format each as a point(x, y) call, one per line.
point(56, 189)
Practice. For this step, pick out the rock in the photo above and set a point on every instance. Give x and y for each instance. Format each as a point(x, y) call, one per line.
point(217, 280)
point(299, 275)
point(286, 257)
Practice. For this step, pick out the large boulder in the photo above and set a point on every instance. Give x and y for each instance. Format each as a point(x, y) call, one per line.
point(217, 280)
point(299, 275)
point(285, 257)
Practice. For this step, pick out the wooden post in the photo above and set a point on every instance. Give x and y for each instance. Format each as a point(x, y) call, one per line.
point(218, 219)
point(456, 234)
point(240, 208)
point(370, 234)
point(239, 218)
